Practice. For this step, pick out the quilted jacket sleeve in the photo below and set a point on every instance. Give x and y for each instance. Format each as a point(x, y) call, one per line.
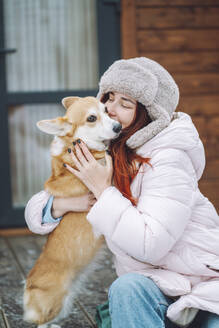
point(149, 231)
point(34, 212)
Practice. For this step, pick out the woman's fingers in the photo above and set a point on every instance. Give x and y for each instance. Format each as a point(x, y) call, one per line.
point(86, 151)
point(80, 155)
point(70, 169)
point(83, 154)
point(94, 175)
point(76, 161)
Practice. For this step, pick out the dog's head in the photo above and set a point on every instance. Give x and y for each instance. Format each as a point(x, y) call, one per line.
point(85, 118)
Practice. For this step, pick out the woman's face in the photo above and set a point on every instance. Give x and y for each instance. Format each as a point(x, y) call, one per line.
point(121, 108)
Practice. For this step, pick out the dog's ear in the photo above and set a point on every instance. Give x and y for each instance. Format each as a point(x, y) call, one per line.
point(68, 101)
point(58, 126)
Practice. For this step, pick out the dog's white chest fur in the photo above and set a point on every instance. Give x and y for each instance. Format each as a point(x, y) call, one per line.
point(56, 146)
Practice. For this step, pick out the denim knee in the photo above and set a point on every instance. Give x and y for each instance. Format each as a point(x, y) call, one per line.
point(131, 285)
point(127, 285)
point(135, 292)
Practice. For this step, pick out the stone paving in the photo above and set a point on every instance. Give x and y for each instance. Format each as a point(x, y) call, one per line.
point(17, 257)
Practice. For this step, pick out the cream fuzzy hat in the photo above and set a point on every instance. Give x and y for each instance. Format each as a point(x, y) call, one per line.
point(150, 84)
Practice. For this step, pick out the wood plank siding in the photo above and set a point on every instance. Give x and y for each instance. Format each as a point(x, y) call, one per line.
point(183, 36)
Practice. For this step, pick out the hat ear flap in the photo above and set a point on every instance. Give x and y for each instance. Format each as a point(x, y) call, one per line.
point(161, 120)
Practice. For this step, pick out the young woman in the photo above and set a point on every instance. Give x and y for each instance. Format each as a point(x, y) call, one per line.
point(146, 202)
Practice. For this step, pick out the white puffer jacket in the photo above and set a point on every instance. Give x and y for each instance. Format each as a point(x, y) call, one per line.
point(172, 236)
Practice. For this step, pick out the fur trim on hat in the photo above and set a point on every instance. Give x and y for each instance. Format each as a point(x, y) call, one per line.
point(148, 83)
point(161, 121)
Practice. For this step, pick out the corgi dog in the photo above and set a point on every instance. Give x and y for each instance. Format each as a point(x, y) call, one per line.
point(71, 247)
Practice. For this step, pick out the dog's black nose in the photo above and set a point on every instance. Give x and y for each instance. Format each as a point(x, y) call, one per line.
point(117, 127)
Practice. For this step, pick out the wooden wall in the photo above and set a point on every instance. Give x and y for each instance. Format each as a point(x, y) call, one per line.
point(183, 36)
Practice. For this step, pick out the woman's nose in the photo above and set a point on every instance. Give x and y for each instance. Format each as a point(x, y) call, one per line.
point(110, 108)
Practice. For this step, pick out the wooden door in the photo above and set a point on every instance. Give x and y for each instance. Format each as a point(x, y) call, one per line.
point(183, 36)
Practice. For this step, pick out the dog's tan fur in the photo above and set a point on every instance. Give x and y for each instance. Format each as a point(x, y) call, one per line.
point(72, 245)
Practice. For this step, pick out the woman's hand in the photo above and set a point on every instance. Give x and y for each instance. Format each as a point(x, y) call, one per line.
point(83, 203)
point(94, 175)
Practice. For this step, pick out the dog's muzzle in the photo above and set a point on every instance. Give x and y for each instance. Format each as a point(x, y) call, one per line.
point(117, 127)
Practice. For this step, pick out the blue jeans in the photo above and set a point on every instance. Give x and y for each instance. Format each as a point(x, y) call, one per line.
point(135, 301)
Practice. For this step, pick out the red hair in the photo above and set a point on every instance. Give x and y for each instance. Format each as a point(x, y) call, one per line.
point(125, 158)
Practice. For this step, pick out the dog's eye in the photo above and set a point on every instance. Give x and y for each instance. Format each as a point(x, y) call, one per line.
point(91, 118)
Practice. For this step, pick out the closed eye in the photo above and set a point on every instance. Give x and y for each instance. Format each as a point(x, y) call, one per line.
point(126, 106)
point(91, 118)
